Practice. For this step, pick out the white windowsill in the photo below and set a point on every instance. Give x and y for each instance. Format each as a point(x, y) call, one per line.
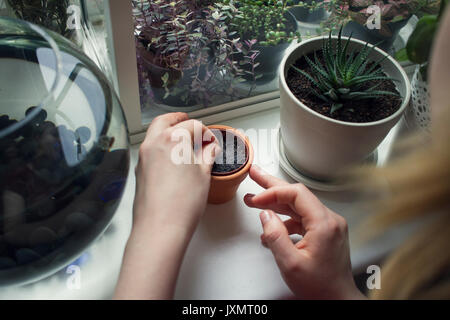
point(225, 259)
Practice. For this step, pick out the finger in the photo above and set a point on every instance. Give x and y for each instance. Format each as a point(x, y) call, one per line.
point(203, 140)
point(263, 241)
point(209, 154)
point(278, 208)
point(165, 121)
point(294, 227)
point(302, 201)
point(277, 239)
point(264, 179)
point(196, 130)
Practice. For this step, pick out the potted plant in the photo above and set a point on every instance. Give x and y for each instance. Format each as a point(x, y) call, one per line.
point(184, 51)
point(356, 16)
point(308, 11)
point(339, 99)
point(166, 44)
point(50, 14)
point(232, 165)
point(269, 27)
point(418, 50)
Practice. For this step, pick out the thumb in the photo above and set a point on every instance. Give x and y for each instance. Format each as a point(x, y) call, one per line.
point(277, 239)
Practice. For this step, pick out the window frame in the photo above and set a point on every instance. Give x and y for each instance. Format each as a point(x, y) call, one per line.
point(120, 30)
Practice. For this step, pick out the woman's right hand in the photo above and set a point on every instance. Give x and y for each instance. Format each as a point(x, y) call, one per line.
point(318, 266)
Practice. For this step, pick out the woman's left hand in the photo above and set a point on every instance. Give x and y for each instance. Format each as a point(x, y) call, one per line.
point(172, 183)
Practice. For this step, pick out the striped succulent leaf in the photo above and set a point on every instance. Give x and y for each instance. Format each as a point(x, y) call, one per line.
point(343, 75)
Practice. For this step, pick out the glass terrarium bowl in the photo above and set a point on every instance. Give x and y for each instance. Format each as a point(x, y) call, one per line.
point(64, 154)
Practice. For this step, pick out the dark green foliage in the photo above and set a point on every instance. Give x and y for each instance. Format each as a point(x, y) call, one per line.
point(50, 14)
point(264, 21)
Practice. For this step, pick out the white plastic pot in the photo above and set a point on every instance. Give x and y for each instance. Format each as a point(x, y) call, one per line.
point(321, 147)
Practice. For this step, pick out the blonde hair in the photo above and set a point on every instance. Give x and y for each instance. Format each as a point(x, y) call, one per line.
point(419, 187)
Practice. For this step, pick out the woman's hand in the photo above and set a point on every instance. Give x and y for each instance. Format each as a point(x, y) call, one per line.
point(318, 266)
point(172, 183)
point(171, 190)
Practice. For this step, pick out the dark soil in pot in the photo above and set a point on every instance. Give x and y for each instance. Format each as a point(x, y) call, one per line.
point(356, 111)
point(234, 154)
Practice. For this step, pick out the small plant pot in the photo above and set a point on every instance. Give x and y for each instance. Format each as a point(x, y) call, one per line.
point(305, 15)
point(176, 78)
point(269, 57)
point(226, 181)
point(374, 37)
point(321, 147)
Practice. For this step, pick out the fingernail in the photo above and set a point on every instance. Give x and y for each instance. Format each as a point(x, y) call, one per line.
point(249, 195)
point(265, 217)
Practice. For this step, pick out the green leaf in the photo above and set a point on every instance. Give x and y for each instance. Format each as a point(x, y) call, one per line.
point(339, 47)
point(311, 79)
point(420, 41)
point(316, 67)
point(320, 96)
point(335, 107)
point(401, 55)
point(377, 64)
point(368, 95)
point(165, 78)
point(359, 59)
point(332, 94)
point(362, 79)
point(343, 90)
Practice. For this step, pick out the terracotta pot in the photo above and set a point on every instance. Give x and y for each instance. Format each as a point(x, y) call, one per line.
point(223, 188)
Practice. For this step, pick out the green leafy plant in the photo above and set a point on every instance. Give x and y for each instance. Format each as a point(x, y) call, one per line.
point(420, 42)
point(342, 75)
point(391, 11)
point(264, 21)
point(50, 14)
point(188, 40)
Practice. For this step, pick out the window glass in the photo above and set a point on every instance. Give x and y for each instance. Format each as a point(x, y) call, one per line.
point(193, 55)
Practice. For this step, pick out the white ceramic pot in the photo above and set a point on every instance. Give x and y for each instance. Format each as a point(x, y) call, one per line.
point(321, 147)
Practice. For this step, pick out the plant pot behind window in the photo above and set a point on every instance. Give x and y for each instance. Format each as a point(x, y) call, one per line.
point(269, 56)
point(374, 37)
point(306, 15)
